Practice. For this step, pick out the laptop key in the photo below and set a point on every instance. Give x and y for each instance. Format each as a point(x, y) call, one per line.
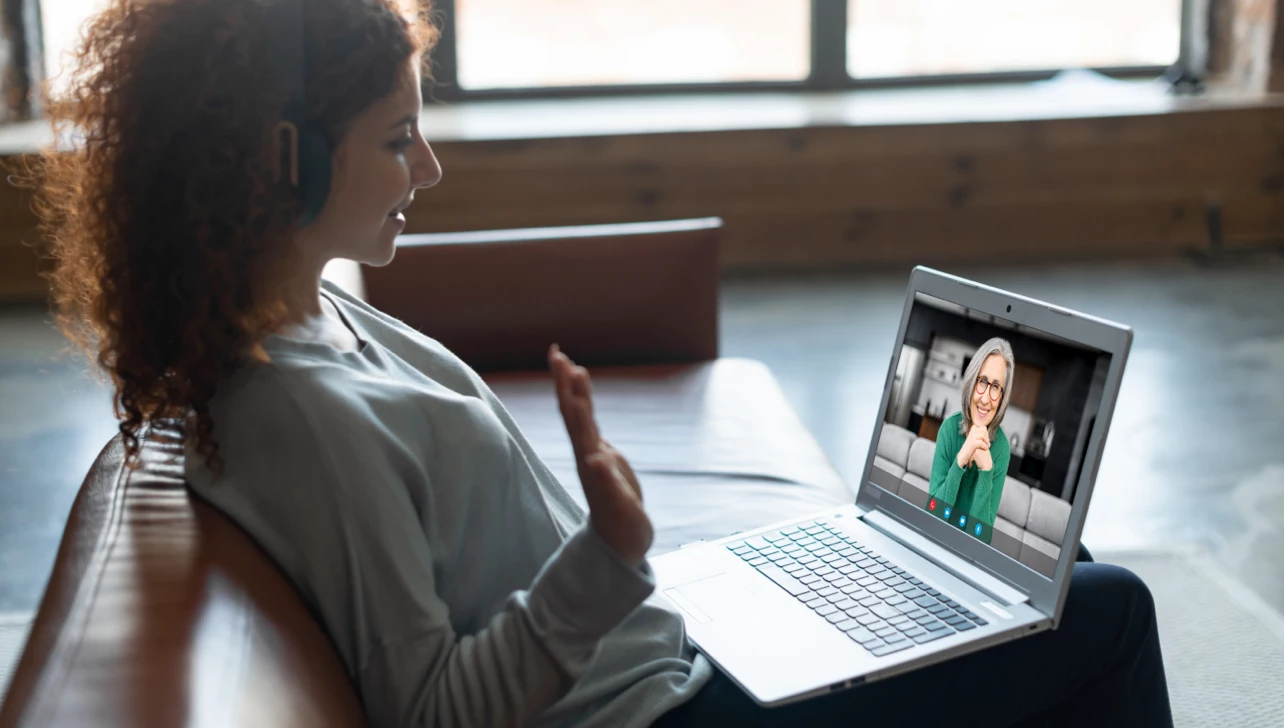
point(815, 602)
point(858, 611)
point(806, 596)
point(894, 582)
point(925, 602)
point(856, 590)
point(905, 608)
point(886, 631)
point(980, 622)
point(826, 590)
point(826, 610)
point(955, 620)
point(939, 627)
point(810, 579)
point(889, 649)
point(902, 619)
point(908, 625)
point(848, 625)
point(869, 619)
point(933, 592)
point(870, 601)
point(965, 626)
point(915, 614)
point(925, 619)
point(837, 617)
point(860, 635)
point(885, 593)
point(906, 588)
point(786, 582)
point(867, 581)
point(928, 637)
point(833, 576)
point(758, 543)
point(914, 632)
point(837, 597)
point(938, 609)
point(776, 537)
point(846, 604)
point(758, 561)
point(884, 611)
point(897, 601)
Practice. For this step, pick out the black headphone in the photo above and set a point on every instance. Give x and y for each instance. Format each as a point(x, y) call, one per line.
point(308, 152)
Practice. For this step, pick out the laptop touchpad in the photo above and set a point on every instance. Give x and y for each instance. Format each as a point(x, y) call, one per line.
point(714, 597)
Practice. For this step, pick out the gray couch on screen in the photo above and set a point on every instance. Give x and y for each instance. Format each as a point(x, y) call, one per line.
point(1031, 524)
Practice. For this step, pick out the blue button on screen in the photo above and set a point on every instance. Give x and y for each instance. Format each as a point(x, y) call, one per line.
point(978, 529)
point(947, 512)
point(962, 521)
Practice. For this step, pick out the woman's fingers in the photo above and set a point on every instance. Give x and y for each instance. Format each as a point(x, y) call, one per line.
point(574, 394)
point(625, 469)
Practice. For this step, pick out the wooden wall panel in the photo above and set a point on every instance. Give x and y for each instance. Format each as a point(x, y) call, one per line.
point(1063, 189)
point(933, 193)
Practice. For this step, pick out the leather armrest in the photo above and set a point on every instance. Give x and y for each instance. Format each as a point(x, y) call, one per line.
point(635, 293)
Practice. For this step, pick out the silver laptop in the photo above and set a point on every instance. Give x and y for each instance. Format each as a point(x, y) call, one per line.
point(922, 567)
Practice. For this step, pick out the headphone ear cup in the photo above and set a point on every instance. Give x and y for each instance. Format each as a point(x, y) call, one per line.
point(314, 173)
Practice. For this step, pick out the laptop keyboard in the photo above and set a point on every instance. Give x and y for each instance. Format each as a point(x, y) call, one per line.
point(880, 606)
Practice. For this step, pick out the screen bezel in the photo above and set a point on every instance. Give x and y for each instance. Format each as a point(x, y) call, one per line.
point(1045, 594)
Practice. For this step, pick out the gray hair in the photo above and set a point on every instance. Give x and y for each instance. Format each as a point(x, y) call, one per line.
point(993, 346)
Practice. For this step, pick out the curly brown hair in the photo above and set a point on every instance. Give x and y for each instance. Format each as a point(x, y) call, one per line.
point(165, 222)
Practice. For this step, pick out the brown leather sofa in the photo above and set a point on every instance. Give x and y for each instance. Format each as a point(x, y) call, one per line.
point(162, 612)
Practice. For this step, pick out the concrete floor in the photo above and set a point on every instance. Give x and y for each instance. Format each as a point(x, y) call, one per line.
point(1195, 453)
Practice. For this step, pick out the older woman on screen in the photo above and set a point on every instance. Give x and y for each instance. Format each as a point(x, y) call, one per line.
point(972, 452)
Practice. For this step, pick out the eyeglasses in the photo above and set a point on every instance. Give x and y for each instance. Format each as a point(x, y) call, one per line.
point(984, 385)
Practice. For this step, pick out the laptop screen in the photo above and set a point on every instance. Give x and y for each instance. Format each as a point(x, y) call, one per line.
point(987, 426)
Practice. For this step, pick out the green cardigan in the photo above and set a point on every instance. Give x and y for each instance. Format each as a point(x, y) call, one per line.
point(972, 490)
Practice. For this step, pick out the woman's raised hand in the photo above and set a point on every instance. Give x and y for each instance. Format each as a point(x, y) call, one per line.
point(610, 486)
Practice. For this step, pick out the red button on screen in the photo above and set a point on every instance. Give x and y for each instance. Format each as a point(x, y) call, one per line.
point(931, 505)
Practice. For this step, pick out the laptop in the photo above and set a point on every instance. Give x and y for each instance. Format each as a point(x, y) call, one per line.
point(923, 567)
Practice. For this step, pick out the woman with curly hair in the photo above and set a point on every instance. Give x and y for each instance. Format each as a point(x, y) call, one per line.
point(460, 583)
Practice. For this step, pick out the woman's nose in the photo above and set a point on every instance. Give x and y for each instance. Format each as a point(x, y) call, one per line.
point(427, 170)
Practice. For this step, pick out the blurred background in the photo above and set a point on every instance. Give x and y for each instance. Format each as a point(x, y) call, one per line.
point(1125, 159)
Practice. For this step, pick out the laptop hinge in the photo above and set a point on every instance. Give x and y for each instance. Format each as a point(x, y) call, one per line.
point(946, 559)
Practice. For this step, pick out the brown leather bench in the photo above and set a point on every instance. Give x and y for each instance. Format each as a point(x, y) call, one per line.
point(162, 612)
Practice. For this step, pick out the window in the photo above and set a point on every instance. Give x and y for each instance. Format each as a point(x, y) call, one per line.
point(60, 22)
point(890, 38)
point(511, 48)
point(524, 44)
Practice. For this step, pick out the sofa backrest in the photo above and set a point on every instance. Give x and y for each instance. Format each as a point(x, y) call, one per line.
point(636, 293)
point(161, 612)
point(921, 453)
point(1048, 516)
point(1014, 504)
point(894, 443)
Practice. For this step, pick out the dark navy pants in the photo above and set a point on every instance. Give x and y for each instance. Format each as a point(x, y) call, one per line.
point(1102, 666)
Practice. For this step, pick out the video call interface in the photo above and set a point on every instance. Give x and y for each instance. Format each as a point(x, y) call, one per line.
point(987, 427)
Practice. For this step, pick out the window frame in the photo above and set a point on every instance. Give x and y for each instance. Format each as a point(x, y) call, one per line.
point(828, 67)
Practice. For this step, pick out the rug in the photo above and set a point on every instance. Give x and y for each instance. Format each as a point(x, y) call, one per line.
point(13, 635)
point(1223, 646)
